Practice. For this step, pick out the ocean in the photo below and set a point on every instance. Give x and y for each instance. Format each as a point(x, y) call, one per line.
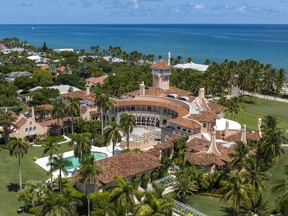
point(266, 43)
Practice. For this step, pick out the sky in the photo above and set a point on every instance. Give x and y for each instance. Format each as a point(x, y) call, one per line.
point(143, 11)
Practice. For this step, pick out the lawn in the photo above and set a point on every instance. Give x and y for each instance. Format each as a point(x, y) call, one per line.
point(259, 108)
point(216, 207)
point(209, 205)
point(9, 176)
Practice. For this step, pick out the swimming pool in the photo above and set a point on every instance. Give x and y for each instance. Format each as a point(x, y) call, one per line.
point(76, 163)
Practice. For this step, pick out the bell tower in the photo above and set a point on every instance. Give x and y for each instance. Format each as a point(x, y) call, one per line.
point(161, 74)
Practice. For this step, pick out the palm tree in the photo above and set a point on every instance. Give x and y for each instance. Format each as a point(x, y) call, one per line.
point(6, 122)
point(123, 194)
point(89, 172)
point(111, 133)
point(281, 188)
point(235, 192)
point(60, 163)
point(255, 175)
point(41, 112)
point(58, 204)
point(272, 137)
point(58, 112)
point(101, 99)
point(83, 144)
point(154, 203)
point(234, 107)
point(127, 122)
point(256, 207)
point(185, 188)
point(50, 148)
point(18, 148)
point(241, 152)
point(73, 109)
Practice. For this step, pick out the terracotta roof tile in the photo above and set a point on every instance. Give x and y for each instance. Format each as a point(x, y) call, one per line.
point(20, 122)
point(216, 107)
point(206, 116)
point(185, 123)
point(82, 95)
point(61, 69)
point(54, 122)
point(161, 65)
point(204, 159)
point(182, 111)
point(235, 136)
point(126, 165)
point(96, 80)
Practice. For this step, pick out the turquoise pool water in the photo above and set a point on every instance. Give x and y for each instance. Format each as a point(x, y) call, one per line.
point(76, 163)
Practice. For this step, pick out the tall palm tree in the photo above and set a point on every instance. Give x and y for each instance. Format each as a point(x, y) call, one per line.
point(235, 191)
point(73, 110)
point(123, 194)
point(127, 122)
point(60, 163)
point(241, 152)
point(18, 148)
point(272, 137)
point(256, 207)
point(89, 172)
point(281, 188)
point(185, 188)
point(58, 204)
point(111, 133)
point(58, 112)
point(41, 112)
point(6, 122)
point(100, 101)
point(154, 203)
point(83, 144)
point(50, 148)
point(254, 175)
point(234, 107)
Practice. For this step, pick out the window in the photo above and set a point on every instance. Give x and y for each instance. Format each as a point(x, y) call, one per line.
point(34, 128)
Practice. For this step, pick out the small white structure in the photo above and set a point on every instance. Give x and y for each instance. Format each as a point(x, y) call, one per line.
point(64, 50)
point(192, 65)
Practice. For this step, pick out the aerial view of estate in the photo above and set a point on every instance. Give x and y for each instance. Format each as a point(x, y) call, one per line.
point(143, 108)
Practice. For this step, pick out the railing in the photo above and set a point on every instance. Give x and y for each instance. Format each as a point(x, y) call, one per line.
point(166, 181)
point(183, 210)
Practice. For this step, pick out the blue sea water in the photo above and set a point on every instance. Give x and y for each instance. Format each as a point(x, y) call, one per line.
point(265, 43)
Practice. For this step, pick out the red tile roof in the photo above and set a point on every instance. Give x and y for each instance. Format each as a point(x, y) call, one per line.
point(206, 116)
point(216, 107)
point(96, 80)
point(54, 122)
point(126, 165)
point(185, 123)
point(20, 122)
point(161, 65)
point(46, 106)
point(82, 95)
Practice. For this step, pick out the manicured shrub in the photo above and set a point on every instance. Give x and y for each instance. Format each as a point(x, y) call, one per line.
point(154, 176)
point(33, 210)
point(99, 200)
point(98, 212)
point(135, 183)
point(144, 181)
point(35, 158)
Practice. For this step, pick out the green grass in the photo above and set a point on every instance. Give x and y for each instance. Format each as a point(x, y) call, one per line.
point(209, 205)
point(259, 108)
point(9, 178)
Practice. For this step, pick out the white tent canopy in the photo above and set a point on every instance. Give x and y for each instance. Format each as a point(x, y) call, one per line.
point(192, 65)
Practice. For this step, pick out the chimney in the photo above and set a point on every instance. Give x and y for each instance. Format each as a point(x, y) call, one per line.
point(213, 146)
point(87, 90)
point(243, 135)
point(32, 113)
point(226, 127)
point(201, 92)
point(142, 89)
point(259, 127)
point(169, 58)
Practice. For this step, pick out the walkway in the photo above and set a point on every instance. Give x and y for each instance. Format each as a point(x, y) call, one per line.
point(268, 97)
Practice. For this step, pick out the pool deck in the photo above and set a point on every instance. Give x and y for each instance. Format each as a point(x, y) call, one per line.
point(43, 162)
